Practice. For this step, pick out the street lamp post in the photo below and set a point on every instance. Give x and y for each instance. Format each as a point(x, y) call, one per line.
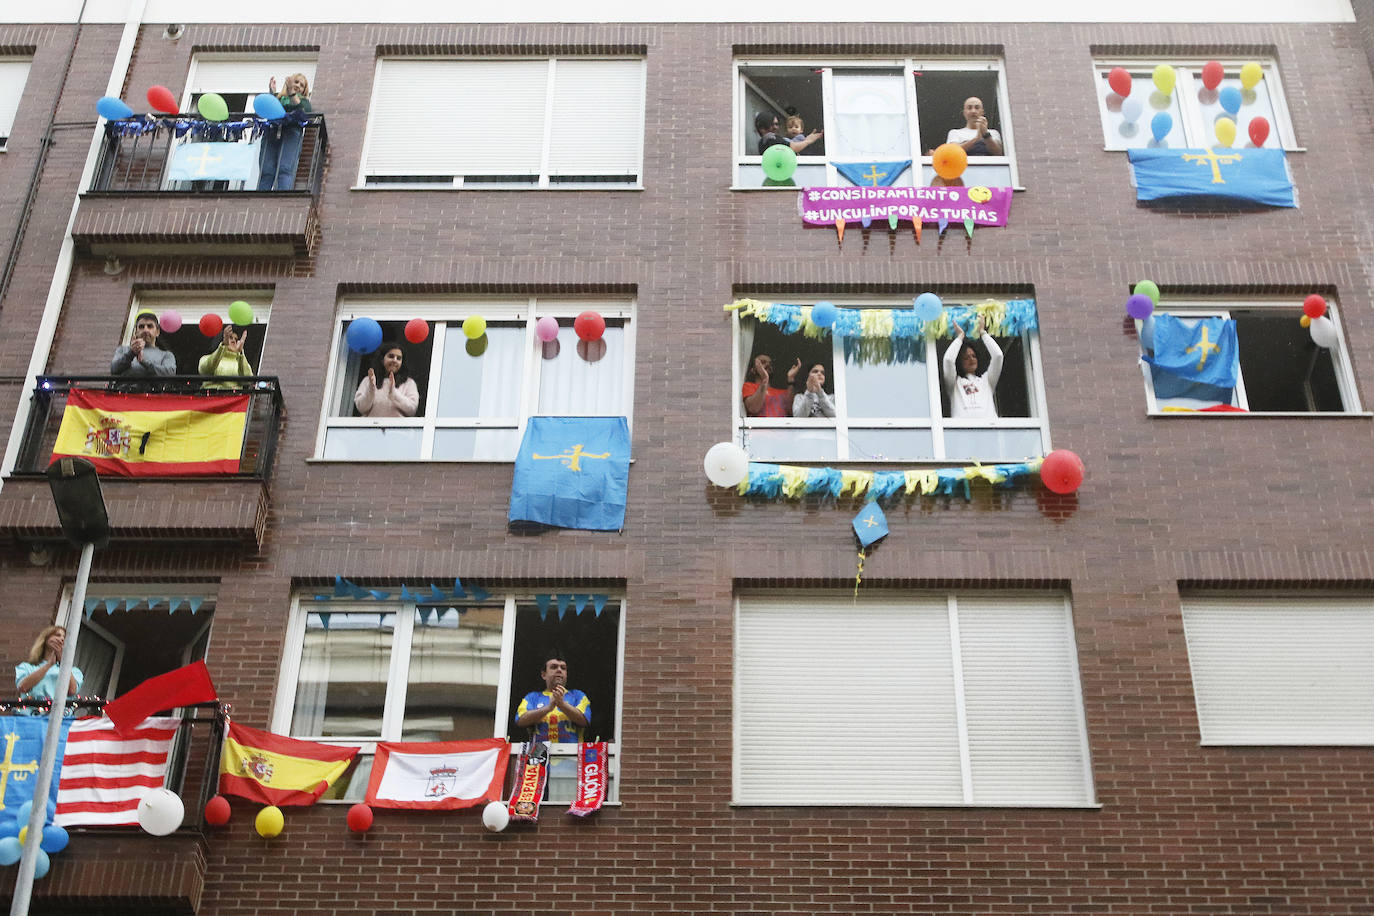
point(81, 510)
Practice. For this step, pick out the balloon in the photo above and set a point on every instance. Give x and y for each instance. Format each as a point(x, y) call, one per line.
point(25, 810)
point(212, 107)
point(1314, 306)
point(160, 99)
point(726, 464)
point(1212, 74)
point(1140, 306)
point(546, 329)
point(417, 329)
point(1165, 77)
point(1062, 471)
point(495, 816)
point(1147, 288)
point(112, 109)
point(1251, 74)
point(210, 324)
point(1132, 109)
point(269, 822)
point(363, 335)
point(929, 307)
point(1229, 99)
point(1305, 321)
point(823, 314)
point(589, 326)
point(474, 326)
point(949, 160)
point(10, 850)
point(1259, 131)
point(41, 865)
point(217, 811)
point(268, 107)
point(55, 839)
point(359, 818)
point(170, 321)
point(1323, 331)
point(779, 162)
point(1226, 131)
point(1120, 81)
point(23, 835)
point(240, 313)
point(160, 812)
point(1161, 124)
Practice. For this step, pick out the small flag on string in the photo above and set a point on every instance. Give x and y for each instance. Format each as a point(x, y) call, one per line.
point(870, 526)
point(968, 226)
point(542, 602)
point(839, 230)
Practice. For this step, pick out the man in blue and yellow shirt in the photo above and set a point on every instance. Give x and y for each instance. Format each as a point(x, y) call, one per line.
point(556, 713)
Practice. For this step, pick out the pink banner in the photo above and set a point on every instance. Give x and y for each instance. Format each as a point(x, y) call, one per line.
point(826, 206)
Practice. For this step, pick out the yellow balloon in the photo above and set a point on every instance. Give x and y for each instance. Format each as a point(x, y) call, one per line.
point(1165, 77)
point(1226, 131)
point(1305, 321)
point(1250, 75)
point(269, 822)
point(474, 326)
point(24, 831)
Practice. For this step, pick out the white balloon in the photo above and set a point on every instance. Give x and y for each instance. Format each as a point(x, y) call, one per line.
point(1323, 332)
point(495, 816)
point(726, 464)
point(160, 812)
point(1132, 108)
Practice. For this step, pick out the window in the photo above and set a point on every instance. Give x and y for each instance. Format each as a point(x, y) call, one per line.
point(188, 344)
point(913, 700)
point(890, 404)
point(870, 111)
point(1192, 107)
point(368, 671)
point(1282, 670)
point(14, 74)
point(567, 122)
point(475, 395)
point(1281, 369)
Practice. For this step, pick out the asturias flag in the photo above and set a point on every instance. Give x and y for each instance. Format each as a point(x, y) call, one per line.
point(438, 775)
point(213, 161)
point(153, 435)
point(1201, 350)
point(1256, 175)
point(276, 770)
point(872, 174)
point(572, 472)
point(23, 746)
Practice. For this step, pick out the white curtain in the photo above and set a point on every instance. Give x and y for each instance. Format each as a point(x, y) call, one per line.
point(586, 383)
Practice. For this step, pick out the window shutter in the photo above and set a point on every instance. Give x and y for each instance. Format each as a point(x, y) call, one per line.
point(1270, 671)
point(13, 75)
point(598, 118)
point(247, 74)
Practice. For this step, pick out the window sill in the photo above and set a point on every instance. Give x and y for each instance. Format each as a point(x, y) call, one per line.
point(1263, 415)
point(443, 188)
point(1065, 806)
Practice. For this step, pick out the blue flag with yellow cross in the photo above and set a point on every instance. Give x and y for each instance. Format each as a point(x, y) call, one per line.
point(1202, 350)
point(19, 755)
point(572, 472)
point(1257, 176)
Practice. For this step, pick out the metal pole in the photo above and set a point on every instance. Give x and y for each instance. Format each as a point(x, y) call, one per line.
point(23, 885)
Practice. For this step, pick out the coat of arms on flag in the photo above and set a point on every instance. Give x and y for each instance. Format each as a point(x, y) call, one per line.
point(437, 775)
point(153, 435)
point(276, 770)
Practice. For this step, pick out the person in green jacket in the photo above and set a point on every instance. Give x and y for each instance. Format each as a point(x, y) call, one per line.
point(227, 359)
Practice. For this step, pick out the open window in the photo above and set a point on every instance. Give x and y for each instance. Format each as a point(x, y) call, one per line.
point(873, 115)
point(359, 672)
point(14, 73)
point(187, 343)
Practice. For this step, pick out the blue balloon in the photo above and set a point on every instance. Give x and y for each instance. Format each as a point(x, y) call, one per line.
point(823, 314)
point(10, 850)
point(112, 108)
point(268, 107)
point(929, 307)
point(1230, 99)
point(364, 335)
point(41, 865)
point(25, 811)
point(55, 839)
point(1161, 124)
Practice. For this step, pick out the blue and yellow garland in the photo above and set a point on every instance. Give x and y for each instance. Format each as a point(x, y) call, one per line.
point(1009, 318)
point(785, 481)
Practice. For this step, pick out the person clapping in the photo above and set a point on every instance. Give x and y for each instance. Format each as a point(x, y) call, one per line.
point(388, 390)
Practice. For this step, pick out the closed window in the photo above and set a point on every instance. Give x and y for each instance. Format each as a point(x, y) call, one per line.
point(909, 700)
point(566, 122)
point(14, 73)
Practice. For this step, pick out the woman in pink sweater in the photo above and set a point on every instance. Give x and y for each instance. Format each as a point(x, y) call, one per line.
point(390, 392)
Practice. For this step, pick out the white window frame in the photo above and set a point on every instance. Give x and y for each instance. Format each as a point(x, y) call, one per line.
point(937, 423)
point(14, 77)
point(544, 182)
point(393, 715)
point(440, 313)
point(1203, 308)
point(907, 66)
point(1189, 79)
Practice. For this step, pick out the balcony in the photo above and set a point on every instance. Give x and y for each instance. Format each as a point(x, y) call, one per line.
point(136, 205)
point(155, 493)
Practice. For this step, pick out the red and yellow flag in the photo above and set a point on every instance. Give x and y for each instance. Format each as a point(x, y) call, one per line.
point(277, 770)
point(153, 435)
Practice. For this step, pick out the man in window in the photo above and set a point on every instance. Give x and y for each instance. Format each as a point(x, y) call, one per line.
point(142, 358)
point(760, 400)
point(769, 134)
point(555, 713)
point(975, 136)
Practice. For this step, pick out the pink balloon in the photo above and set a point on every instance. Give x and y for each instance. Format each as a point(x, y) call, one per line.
point(547, 328)
point(170, 321)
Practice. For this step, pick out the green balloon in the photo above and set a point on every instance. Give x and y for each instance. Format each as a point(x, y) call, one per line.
point(240, 313)
point(779, 162)
point(1147, 288)
point(212, 107)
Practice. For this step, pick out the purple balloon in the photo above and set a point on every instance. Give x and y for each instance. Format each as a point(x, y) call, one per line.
point(1140, 306)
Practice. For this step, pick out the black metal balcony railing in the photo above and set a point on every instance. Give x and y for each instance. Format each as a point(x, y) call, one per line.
point(49, 402)
point(136, 154)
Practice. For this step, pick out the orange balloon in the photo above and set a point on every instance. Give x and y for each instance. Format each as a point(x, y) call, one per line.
point(949, 160)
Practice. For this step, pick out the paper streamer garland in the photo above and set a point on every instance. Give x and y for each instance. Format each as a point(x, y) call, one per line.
point(1009, 318)
point(784, 481)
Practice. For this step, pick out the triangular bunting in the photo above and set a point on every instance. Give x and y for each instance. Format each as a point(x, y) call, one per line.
point(324, 618)
point(839, 230)
point(942, 226)
point(424, 611)
point(195, 603)
point(479, 593)
point(436, 593)
point(407, 594)
point(542, 602)
point(968, 226)
point(916, 228)
point(379, 595)
point(458, 590)
point(342, 587)
point(598, 604)
point(562, 606)
point(579, 603)
point(892, 222)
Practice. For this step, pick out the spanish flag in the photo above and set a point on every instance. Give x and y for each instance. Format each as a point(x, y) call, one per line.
point(276, 770)
point(153, 435)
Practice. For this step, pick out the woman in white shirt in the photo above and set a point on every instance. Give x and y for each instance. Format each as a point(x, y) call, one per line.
point(393, 394)
point(970, 391)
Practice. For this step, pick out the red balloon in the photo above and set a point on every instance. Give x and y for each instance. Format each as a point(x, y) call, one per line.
point(217, 811)
point(1314, 306)
point(589, 326)
point(359, 818)
point(1212, 74)
point(1120, 81)
point(1062, 471)
point(160, 98)
point(211, 324)
point(1259, 131)
point(417, 329)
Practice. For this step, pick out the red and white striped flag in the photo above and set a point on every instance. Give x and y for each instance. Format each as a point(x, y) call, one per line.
point(104, 774)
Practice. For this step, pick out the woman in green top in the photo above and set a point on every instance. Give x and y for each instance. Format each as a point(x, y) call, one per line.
point(281, 144)
point(228, 358)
